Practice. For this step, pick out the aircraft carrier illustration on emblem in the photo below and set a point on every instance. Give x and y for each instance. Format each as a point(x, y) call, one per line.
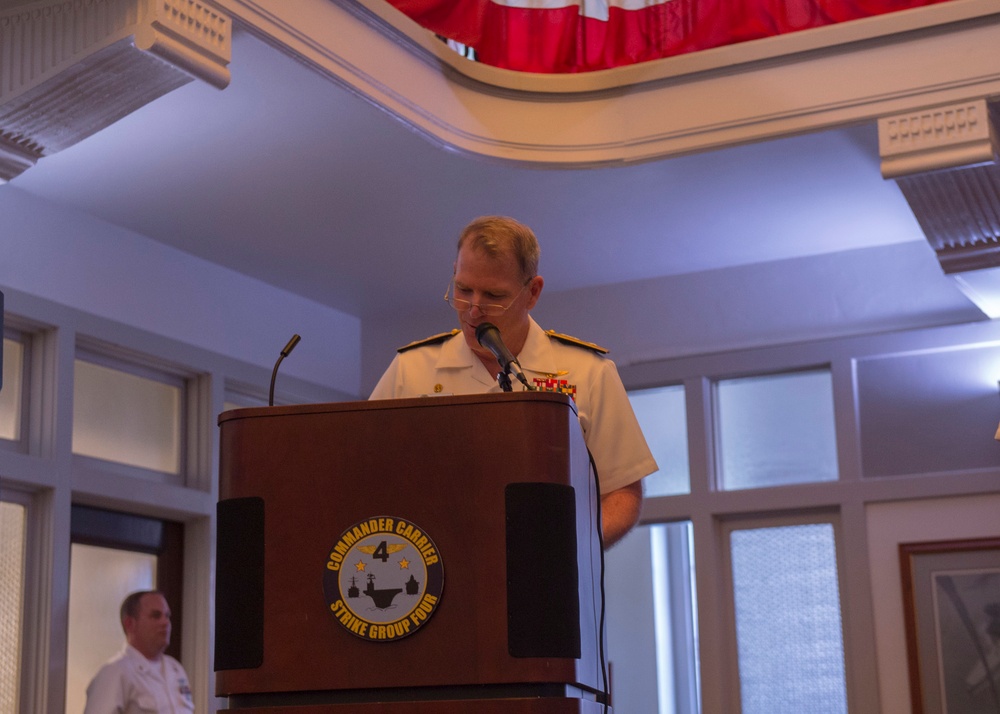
point(382, 598)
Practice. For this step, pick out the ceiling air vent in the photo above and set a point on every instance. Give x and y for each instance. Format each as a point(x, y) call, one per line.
point(69, 68)
point(944, 160)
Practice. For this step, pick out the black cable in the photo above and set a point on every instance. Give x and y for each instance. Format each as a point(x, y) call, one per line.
point(602, 655)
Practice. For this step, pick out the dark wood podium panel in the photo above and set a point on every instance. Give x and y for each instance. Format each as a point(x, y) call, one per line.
point(478, 706)
point(445, 464)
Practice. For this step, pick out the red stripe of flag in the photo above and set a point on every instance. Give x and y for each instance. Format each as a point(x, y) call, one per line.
point(561, 40)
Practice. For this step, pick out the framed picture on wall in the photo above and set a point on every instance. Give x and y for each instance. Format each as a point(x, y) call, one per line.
point(951, 605)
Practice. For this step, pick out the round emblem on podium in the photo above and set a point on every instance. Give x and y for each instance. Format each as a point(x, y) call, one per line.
point(383, 578)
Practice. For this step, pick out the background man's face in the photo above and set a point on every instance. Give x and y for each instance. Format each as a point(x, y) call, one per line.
point(149, 632)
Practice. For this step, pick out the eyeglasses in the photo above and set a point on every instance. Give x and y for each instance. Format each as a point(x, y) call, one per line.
point(488, 309)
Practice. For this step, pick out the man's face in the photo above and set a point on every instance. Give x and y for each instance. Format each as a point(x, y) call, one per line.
point(149, 632)
point(482, 279)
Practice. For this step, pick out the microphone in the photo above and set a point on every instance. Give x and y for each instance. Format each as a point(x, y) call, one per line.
point(274, 373)
point(488, 335)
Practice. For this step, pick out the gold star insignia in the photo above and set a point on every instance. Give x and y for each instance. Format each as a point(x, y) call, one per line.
point(404, 564)
point(360, 565)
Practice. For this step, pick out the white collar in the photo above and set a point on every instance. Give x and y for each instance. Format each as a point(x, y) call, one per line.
point(142, 661)
point(536, 355)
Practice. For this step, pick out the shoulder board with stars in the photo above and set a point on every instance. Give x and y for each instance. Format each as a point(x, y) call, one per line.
point(575, 341)
point(432, 340)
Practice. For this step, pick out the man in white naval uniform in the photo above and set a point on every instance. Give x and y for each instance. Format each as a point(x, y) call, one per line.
point(496, 280)
point(142, 678)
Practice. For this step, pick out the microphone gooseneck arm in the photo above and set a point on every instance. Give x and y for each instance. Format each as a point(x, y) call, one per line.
point(274, 373)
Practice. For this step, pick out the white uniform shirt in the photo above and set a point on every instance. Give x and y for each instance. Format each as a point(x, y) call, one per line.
point(131, 684)
point(610, 428)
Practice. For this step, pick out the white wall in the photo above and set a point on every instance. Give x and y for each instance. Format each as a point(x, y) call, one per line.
point(853, 292)
point(70, 258)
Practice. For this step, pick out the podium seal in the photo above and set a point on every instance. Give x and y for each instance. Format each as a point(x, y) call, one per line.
point(383, 578)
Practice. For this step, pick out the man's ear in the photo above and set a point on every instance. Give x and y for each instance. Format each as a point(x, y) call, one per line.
point(535, 286)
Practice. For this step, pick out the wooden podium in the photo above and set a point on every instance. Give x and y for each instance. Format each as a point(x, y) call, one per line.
point(437, 554)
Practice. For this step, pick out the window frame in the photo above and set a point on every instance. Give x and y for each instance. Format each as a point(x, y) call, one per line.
point(709, 508)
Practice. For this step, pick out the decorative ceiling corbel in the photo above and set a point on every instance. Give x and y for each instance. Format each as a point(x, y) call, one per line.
point(944, 160)
point(70, 68)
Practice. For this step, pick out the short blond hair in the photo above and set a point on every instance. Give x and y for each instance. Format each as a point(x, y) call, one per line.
point(499, 235)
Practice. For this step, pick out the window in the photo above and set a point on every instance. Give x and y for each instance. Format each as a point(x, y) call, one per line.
point(675, 616)
point(652, 615)
point(788, 627)
point(128, 417)
point(13, 527)
point(778, 576)
point(138, 412)
point(100, 578)
point(671, 645)
point(663, 418)
point(12, 390)
point(776, 430)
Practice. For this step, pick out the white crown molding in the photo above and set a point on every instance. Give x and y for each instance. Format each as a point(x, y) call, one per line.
point(69, 68)
point(830, 77)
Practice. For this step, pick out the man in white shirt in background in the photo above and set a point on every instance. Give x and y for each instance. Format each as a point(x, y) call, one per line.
point(142, 678)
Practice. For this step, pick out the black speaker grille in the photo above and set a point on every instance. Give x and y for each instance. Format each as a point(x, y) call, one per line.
point(543, 596)
point(239, 584)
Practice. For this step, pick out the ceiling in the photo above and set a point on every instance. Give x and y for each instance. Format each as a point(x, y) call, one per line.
point(289, 178)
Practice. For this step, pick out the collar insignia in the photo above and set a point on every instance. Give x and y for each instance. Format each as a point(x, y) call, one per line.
point(566, 339)
point(432, 340)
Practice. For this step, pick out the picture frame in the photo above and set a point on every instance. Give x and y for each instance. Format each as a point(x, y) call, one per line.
point(951, 608)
